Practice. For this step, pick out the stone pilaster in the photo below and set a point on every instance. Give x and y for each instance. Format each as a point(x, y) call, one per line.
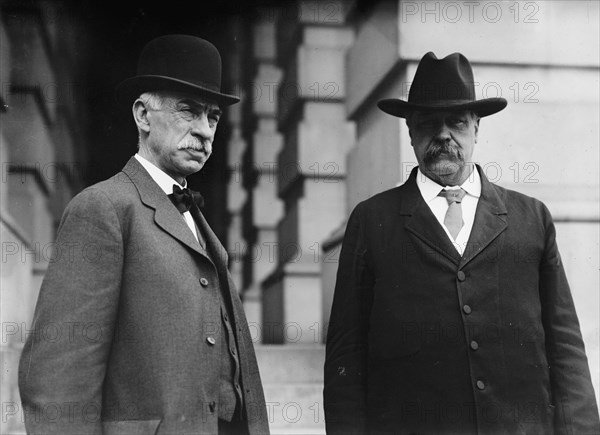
point(263, 208)
point(236, 146)
point(312, 42)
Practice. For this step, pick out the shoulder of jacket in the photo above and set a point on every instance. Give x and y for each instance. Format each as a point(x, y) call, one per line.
point(515, 200)
point(111, 191)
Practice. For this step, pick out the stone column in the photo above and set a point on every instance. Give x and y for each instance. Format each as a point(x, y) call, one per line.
point(312, 42)
point(262, 209)
point(236, 146)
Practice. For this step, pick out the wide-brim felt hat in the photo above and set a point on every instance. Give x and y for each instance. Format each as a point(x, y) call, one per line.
point(181, 63)
point(442, 84)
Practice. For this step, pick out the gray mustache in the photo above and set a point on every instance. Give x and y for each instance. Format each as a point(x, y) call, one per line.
point(436, 149)
point(192, 145)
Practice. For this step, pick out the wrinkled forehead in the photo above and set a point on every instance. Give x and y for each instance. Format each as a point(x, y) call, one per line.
point(173, 98)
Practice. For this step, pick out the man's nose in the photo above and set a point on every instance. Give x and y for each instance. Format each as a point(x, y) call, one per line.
point(442, 131)
point(201, 127)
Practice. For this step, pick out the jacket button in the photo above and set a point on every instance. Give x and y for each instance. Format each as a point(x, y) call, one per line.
point(474, 345)
point(226, 317)
point(211, 341)
point(467, 309)
point(460, 275)
point(203, 282)
point(480, 385)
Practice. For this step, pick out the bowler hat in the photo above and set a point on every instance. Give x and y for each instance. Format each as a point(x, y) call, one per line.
point(181, 63)
point(442, 84)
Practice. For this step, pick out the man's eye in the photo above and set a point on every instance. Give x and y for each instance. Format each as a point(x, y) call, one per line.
point(457, 121)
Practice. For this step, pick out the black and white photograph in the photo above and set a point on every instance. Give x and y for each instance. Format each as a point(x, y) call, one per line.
point(300, 217)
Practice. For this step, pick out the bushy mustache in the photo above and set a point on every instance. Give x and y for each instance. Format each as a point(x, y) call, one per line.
point(437, 148)
point(192, 144)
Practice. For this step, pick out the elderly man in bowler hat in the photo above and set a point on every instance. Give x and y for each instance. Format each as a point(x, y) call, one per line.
point(154, 338)
point(452, 313)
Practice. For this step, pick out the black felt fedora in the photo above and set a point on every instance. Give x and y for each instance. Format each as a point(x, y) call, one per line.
point(181, 63)
point(442, 84)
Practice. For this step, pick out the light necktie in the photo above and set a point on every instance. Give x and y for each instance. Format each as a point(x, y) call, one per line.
point(453, 219)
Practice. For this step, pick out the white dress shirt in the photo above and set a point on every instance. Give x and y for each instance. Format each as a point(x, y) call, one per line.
point(165, 182)
point(439, 206)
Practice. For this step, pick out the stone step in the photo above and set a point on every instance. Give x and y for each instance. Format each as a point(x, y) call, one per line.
point(295, 408)
point(292, 378)
point(291, 363)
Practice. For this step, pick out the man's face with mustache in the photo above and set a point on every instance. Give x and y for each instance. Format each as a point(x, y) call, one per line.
point(180, 133)
point(443, 143)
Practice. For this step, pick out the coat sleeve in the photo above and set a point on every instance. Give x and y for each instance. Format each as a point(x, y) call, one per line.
point(345, 391)
point(576, 411)
point(63, 364)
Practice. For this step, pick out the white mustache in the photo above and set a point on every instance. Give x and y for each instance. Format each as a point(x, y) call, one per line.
point(192, 144)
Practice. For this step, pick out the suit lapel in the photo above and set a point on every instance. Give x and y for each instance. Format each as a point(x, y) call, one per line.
point(422, 223)
point(490, 220)
point(213, 245)
point(166, 215)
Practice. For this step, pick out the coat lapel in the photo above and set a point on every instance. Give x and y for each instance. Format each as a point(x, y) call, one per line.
point(490, 220)
point(422, 223)
point(213, 245)
point(166, 215)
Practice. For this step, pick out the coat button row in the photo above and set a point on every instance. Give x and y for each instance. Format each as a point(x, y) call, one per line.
point(467, 309)
point(203, 282)
point(211, 340)
point(474, 345)
point(481, 385)
point(461, 276)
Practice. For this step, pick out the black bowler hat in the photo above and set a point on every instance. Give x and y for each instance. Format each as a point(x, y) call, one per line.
point(442, 84)
point(181, 63)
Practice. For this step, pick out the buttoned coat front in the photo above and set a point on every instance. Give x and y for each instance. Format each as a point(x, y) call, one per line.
point(127, 326)
point(423, 340)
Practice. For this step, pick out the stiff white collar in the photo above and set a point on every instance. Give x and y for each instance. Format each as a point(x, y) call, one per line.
point(430, 189)
point(164, 181)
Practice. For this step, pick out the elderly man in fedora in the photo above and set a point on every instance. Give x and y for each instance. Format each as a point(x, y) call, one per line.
point(452, 313)
point(152, 337)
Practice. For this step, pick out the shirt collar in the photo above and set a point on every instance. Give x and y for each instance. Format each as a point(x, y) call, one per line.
point(430, 189)
point(164, 181)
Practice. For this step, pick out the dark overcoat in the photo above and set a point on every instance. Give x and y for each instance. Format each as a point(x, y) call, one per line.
point(423, 340)
point(126, 328)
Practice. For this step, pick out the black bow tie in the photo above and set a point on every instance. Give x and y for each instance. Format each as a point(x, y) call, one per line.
point(183, 199)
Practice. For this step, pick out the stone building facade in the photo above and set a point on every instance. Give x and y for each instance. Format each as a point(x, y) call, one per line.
point(42, 121)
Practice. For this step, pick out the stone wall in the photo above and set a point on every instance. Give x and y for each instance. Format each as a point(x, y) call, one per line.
point(41, 165)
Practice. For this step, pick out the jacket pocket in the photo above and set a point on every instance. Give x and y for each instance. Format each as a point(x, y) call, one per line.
point(130, 427)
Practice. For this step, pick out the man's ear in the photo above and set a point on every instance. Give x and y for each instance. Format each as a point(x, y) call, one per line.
point(476, 126)
point(140, 115)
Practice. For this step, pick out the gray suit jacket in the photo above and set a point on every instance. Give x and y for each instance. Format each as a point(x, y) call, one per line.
point(126, 328)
